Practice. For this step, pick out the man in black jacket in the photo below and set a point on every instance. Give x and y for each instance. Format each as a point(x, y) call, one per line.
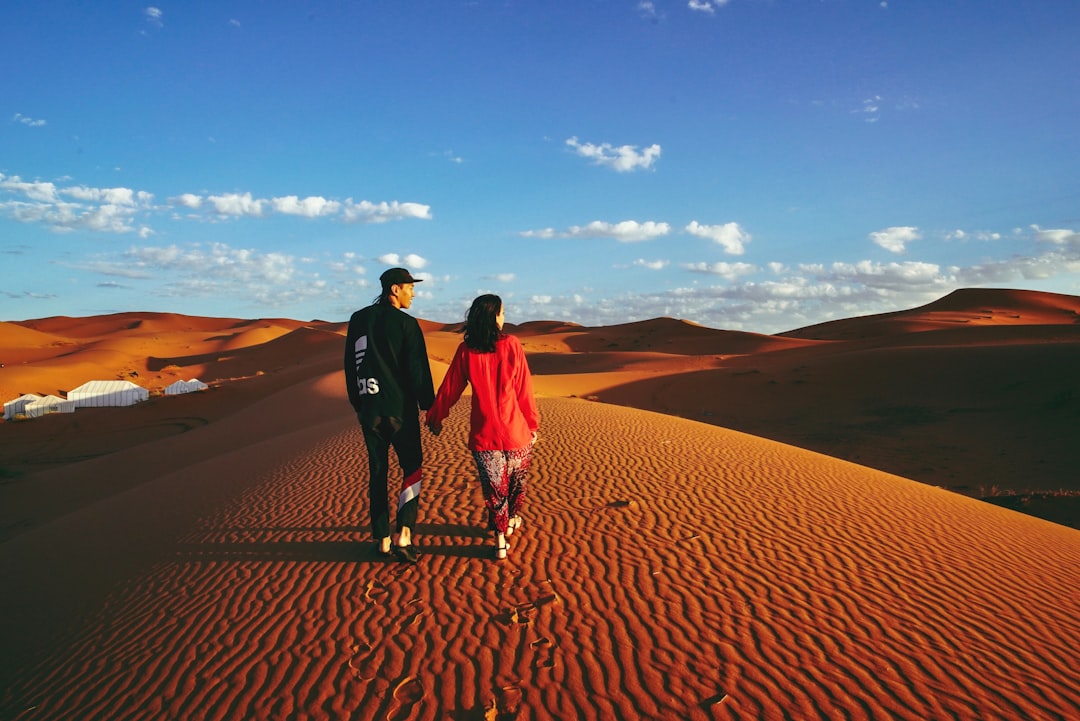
point(389, 379)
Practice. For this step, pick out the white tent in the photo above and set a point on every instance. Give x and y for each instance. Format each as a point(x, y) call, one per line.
point(95, 394)
point(18, 406)
point(190, 386)
point(47, 405)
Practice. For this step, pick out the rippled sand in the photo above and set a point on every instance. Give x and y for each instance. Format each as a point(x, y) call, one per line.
point(666, 569)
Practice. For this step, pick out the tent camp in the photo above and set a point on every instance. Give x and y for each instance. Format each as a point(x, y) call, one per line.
point(190, 386)
point(96, 394)
point(47, 405)
point(18, 406)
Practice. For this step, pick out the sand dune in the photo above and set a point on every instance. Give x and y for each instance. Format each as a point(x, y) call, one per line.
point(968, 306)
point(986, 408)
point(799, 586)
point(59, 353)
point(206, 556)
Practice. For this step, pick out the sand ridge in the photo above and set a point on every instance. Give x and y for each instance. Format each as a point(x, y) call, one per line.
point(671, 570)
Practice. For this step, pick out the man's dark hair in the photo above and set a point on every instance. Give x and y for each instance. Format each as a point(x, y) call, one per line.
point(481, 330)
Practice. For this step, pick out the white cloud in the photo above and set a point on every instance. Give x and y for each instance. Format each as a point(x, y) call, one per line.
point(452, 157)
point(1057, 237)
point(735, 302)
point(651, 264)
point(154, 16)
point(731, 271)
point(414, 261)
point(114, 268)
point(411, 260)
point(216, 269)
point(41, 202)
point(623, 158)
point(963, 235)
point(626, 231)
point(310, 207)
point(188, 200)
point(237, 204)
point(729, 235)
point(349, 263)
point(245, 205)
point(37, 190)
point(870, 108)
point(29, 122)
point(97, 209)
point(647, 9)
point(504, 277)
point(544, 234)
point(731, 296)
point(706, 6)
point(367, 212)
point(113, 196)
point(896, 238)
point(105, 218)
point(891, 276)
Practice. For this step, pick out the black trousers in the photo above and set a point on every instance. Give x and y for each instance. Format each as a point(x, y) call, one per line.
point(404, 437)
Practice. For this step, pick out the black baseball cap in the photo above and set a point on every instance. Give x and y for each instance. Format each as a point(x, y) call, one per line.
point(397, 276)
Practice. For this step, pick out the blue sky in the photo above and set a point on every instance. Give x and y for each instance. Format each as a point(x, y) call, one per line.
point(752, 165)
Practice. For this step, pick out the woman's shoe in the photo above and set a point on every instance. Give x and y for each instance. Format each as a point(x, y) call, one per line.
point(515, 523)
point(501, 547)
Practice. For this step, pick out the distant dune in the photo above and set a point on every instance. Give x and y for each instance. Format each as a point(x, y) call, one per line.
point(759, 548)
point(965, 307)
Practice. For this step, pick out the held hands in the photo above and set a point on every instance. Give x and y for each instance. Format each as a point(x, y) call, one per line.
point(434, 426)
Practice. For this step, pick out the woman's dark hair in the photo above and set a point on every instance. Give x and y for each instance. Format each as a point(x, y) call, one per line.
point(481, 330)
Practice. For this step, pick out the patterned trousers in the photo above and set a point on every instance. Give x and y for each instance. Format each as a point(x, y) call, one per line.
point(503, 482)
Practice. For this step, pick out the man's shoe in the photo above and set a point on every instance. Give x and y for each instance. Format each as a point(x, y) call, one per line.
point(406, 553)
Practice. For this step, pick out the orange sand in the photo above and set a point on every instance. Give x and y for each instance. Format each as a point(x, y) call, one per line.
point(206, 556)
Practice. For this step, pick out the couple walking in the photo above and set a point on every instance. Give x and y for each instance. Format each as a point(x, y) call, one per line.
point(389, 379)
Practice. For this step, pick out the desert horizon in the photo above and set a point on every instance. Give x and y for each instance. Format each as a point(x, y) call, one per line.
point(942, 393)
point(721, 524)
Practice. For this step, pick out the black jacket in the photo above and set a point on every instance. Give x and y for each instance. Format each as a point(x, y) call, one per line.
point(386, 365)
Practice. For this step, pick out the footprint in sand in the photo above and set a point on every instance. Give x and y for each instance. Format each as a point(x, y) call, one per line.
point(407, 696)
point(545, 653)
point(364, 662)
point(504, 707)
point(510, 699)
point(373, 588)
point(520, 615)
point(523, 613)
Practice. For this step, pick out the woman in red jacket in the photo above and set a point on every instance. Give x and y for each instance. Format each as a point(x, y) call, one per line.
point(503, 419)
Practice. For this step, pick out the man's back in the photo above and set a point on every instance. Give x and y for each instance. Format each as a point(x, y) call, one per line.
point(386, 367)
